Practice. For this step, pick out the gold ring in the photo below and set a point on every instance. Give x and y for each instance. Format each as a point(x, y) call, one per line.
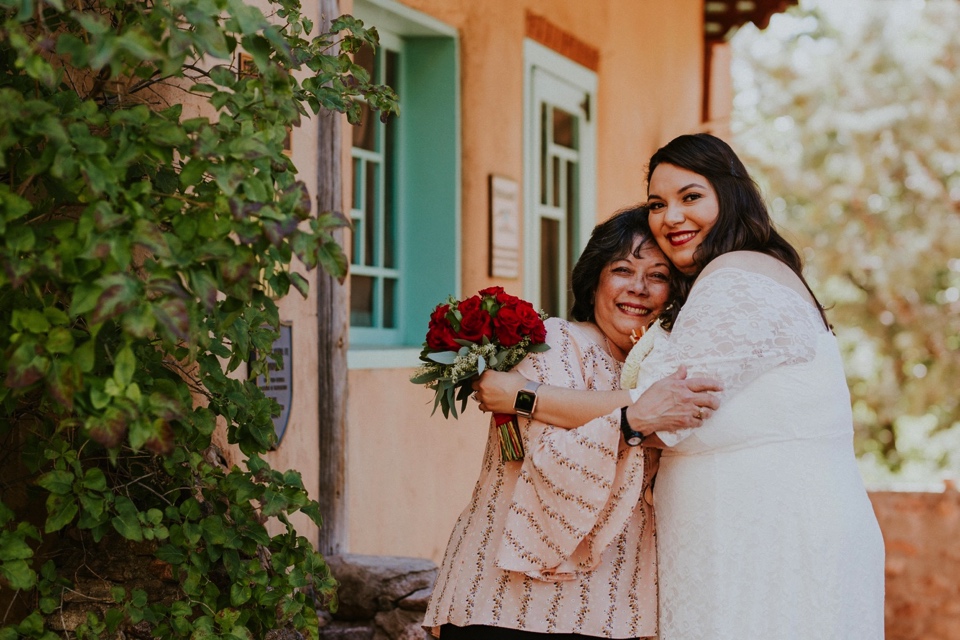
point(700, 413)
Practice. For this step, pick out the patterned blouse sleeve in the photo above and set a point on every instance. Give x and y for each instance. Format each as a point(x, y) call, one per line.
point(735, 325)
point(577, 488)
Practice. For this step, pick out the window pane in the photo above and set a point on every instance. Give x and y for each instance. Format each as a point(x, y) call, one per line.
point(361, 301)
point(358, 228)
point(371, 202)
point(544, 167)
point(389, 201)
point(564, 129)
point(389, 303)
point(364, 132)
point(357, 183)
point(555, 174)
point(550, 265)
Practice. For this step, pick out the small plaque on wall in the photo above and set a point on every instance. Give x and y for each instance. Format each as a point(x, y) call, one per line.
point(504, 227)
point(279, 386)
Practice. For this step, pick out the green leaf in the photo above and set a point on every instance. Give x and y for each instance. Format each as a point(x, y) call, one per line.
point(85, 298)
point(13, 547)
point(58, 482)
point(443, 357)
point(18, 574)
point(171, 554)
point(239, 594)
point(300, 283)
point(84, 356)
point(124, 366)
point(32, 625)
point(59, 340)
point(126, 521)
point(60, 512)
point(94, 480)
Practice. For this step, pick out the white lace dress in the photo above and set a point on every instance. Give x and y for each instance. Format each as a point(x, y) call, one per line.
point(764, 529)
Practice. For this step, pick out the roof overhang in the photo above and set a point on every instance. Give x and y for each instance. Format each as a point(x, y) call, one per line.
point(722, 17)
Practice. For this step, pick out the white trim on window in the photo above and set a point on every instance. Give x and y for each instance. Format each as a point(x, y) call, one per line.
point(543, 68)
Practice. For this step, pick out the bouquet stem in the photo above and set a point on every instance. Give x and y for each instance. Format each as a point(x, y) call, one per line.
point(508, 431)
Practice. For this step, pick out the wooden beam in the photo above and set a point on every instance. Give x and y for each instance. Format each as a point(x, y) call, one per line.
point(333, 329)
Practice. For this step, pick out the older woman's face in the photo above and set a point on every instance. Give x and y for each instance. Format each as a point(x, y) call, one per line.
point(632, 292)
point(683, 208)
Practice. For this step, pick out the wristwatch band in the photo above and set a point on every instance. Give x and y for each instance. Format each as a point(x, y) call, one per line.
point(630, 436)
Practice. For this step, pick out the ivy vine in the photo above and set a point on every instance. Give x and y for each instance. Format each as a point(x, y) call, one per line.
point(142, 248)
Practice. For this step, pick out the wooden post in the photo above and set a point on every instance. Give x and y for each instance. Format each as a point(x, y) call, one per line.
point(333, 329)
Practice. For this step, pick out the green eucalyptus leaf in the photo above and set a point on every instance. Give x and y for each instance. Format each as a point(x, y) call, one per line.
point(443, 357)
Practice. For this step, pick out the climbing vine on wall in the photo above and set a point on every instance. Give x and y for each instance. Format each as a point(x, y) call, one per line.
point(142, 248)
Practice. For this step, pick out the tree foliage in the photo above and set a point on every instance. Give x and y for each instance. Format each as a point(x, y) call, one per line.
point(848, 112)
point(142, 247)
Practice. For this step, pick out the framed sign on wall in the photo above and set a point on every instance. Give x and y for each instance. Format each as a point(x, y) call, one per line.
point(504, 227)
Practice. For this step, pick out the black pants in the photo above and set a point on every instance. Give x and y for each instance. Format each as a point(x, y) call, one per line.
point(482, 632)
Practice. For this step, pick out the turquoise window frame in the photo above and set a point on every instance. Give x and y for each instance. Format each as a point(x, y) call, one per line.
point(427, 178)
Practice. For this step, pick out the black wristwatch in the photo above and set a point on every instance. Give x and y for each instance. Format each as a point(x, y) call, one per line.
point(526, 400)
point(630, 436)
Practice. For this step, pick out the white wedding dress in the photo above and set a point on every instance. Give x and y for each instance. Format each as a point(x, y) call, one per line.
point(764, 529)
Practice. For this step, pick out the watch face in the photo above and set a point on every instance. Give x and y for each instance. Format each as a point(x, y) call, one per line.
point(524, 402)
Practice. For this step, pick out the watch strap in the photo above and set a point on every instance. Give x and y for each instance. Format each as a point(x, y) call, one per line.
point(631, 436)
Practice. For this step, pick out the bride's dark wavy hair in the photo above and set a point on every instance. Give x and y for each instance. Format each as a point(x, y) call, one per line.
point(744, 223)
point(612, 240)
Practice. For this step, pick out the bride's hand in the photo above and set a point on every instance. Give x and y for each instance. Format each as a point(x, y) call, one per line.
point(674, 403)
point(496, 391)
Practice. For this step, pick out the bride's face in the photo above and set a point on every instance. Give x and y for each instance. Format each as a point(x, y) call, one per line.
point(631, 292)
point(683, 208)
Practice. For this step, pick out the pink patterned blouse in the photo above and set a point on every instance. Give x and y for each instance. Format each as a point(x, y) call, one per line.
point(563, 541)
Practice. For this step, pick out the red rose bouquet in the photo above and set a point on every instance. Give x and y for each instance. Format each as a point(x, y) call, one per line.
point(492, 329)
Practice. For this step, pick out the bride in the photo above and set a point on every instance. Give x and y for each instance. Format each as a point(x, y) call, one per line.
point(764, 529)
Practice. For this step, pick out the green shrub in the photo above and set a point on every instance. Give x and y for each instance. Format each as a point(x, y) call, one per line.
point(141, 253)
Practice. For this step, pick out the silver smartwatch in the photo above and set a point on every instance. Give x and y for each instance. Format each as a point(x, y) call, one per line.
point(526, 401)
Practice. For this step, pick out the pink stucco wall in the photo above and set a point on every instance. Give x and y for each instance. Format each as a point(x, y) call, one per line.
point(409, 476)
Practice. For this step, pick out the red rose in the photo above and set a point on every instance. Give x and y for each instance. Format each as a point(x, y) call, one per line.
point(440, 334)
point(530, 322)
point(508, 326)
point(475, 322)
point(501, 296)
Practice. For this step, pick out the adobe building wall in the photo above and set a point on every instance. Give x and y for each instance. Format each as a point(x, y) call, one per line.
point(410, 475)
point(920, 532)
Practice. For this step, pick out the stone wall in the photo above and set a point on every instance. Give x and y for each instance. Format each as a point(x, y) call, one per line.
point(921, 532)
point(381, 597)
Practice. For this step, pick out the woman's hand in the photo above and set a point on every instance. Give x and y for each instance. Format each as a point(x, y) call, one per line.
point(496, 391)
point(674, 403)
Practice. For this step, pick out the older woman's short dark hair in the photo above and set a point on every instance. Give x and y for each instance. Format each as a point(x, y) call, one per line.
point(610, 240)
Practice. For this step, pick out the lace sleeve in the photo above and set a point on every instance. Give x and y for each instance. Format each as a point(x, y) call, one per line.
point(735, 325)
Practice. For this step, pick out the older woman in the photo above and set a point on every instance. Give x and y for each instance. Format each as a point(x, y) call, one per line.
point(764, 528)
point(562, 542)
